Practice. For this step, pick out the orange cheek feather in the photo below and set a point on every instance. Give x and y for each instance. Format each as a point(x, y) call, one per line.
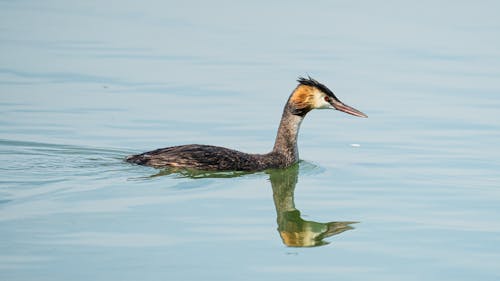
point(303, 97)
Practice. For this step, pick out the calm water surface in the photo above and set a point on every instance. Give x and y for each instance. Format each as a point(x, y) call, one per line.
point(411, 193)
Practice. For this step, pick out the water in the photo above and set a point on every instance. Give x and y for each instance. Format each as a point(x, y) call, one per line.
point(411, 193)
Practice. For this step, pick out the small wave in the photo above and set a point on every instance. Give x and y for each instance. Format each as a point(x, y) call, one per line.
point(34, 169)
point(63, 148)
point(310, 168)
point(306, 168)
point(55, 160)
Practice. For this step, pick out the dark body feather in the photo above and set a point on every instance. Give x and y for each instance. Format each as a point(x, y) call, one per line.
point(207, 157)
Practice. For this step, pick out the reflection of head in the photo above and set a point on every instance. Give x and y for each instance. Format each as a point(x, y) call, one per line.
point(294, 231)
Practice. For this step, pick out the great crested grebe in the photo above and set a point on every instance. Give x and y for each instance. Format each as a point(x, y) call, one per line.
point(308, 95)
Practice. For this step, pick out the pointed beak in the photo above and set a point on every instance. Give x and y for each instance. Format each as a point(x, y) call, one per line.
point(338, 105)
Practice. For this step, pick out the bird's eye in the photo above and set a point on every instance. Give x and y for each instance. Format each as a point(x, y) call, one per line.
point(327, 99)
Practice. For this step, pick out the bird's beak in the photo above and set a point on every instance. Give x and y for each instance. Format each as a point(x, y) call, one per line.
point(338, 105)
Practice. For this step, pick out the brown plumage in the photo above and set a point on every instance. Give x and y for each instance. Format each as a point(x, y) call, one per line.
point(308, 95)
point(303, 98)
point(206, 157)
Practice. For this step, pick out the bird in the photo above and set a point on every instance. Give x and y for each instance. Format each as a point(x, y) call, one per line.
point(308, 95)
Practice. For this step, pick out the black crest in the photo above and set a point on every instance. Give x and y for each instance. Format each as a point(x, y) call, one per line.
point(313, 83)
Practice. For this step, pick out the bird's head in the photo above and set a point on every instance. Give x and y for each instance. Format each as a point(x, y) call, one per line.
point(310, 94)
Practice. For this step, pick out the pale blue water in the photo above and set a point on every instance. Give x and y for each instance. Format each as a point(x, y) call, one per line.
point(82, 85)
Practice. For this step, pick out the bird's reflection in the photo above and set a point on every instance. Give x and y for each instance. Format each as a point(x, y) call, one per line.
point(295, 231)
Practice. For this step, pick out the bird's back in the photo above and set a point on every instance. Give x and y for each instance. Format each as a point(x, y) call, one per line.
point(202, 157)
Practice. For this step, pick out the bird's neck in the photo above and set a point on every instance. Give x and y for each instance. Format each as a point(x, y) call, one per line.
point(283, 182)
point(286, 139)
